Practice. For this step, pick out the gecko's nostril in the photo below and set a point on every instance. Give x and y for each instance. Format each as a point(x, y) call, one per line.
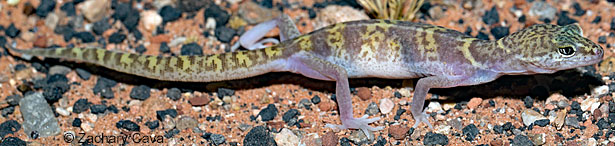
point(598, 51)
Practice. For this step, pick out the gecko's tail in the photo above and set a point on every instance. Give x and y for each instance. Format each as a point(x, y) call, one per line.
point(10, 48)
point(207, 68)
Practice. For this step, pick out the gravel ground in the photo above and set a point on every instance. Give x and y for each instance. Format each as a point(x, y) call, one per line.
point(91, 105)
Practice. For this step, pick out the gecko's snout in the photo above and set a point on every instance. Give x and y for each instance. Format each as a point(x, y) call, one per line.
point(598, 51)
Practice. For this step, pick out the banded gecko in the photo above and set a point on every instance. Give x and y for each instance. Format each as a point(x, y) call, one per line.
point(440, 57)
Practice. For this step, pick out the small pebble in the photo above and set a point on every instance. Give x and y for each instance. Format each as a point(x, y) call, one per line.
point(220, 15)
point(542, 122)
point(364, 93)
point(386, 105)
point(116, 38)
point(358, 137)
point(305, 103)
point(564, 19)
point(435, 139)
point(290, 114)
point(140, 49)
point(544, 11)
point(161, 115)
point(224, 34)
point(164, 48)
point(500, 31)
point(286, 137)
point(174, 94)
point(128, 125)
point(99, 27)
point(258, 136)
point(151, 19)
point(602, 39)
point(491, 16)
point(62, 111)
point(45, 7)
point(474, 103)
point(538, 139)
point(59, 69)
point(152, 124)
point(81, 105)
point(597, 19)
point(171, 133)
point(521, 140)
point(9, 127)
point(602, 124)
point(76, 122)
point(497, 142)
point(169, 13)
point(199, 101)
point(12, 31)
point(85, 37)
point(590, 104)
point(528, 102)
point(38, 116)
point(95, 10)
point(572, 122)
point(560, 118)
point(315, 99)
point(140, 92)
point(83, 74)
point(398, 132)
point(529, 116)
point(372, 109)
point(186, 122)
point(98, 108)
point(470, 132)
point(327, 106)
point(12, 141)
point(217, 139)
point(244, 127)
point(268, 113)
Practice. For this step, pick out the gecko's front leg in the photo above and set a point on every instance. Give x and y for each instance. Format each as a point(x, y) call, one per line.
point(313, 67)
point(424, 84)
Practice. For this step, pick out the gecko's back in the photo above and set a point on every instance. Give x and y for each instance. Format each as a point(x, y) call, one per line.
point(390, 49)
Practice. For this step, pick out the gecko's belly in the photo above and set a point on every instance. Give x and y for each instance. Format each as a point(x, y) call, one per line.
point(378, 69)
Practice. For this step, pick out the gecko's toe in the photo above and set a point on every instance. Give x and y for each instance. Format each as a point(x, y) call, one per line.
point(421, 118)
point(358, 123)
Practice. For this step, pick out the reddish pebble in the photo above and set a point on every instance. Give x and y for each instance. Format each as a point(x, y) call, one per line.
point(572, 143)
point(496, 142)
point(329, 139)
point(303, 124)
point(160, 38)
point(276, 125)
point(597, 114)
point(199, 101)
point(399, 132)
point(364, 93)
point(40, 42)
point(326, 106)
point(474, 103)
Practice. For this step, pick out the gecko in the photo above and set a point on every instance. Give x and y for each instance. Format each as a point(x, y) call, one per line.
point(439, 57)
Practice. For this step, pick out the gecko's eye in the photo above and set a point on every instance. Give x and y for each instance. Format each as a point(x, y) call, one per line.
point(567, 51)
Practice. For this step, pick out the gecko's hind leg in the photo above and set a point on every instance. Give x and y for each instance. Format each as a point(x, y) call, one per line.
point(250, 39)
point(314, 67)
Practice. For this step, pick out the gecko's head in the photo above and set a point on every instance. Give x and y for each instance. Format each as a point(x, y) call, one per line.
point(547, 48)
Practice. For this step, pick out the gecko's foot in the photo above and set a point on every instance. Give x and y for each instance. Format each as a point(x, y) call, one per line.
point(422, 117)
point(358, 123)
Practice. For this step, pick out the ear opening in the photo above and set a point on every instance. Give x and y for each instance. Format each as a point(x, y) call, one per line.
point(575, 28)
